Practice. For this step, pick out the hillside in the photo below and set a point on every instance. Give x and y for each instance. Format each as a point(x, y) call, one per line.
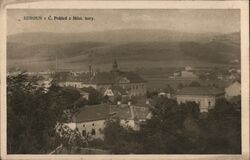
point(132, 50)
point(111, 36)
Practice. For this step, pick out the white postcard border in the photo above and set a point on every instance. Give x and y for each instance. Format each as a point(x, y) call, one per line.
point(242, 5)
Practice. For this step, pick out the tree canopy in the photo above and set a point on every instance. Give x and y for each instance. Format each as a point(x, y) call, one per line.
point(177, 129)
point(33, 112)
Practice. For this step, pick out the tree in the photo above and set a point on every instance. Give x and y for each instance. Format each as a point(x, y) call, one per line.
point(168, 89)
point(179, 128)
point(120, 140)
point(223, 124)
point(152, 94)
point(95, 97)
point(194, 84)
point(81, 102)
point(165, 131)
point(26, 109)
point(180, 86)
point(33, 113)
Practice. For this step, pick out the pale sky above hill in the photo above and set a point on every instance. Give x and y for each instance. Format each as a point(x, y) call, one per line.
point(184, 20)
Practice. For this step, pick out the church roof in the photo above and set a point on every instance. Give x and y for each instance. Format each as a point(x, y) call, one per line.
point(111, 77)
point(100, 77)
point(103, 78)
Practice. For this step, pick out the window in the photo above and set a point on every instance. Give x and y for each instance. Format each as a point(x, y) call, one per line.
point(93, 124)
point(83, 125)
point(83, 132)
point(209, 103)
point(93, 132)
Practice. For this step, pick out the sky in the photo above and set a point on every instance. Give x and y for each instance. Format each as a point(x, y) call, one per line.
point(183, 20)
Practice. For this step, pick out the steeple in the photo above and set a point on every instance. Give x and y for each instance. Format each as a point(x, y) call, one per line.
point(115, 65)
point(115, 69)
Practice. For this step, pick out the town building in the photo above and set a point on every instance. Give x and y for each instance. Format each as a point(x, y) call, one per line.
point(90, 120)
point(204, 96)
point(188, 74)
point(117, 92)
point(84, 94)
point(129, 81)
point(233, 90)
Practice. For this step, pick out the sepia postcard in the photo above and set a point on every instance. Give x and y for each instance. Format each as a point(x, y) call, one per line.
point(125, 80)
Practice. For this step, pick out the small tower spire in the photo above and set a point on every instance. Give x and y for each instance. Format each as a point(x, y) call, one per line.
point(115, 65)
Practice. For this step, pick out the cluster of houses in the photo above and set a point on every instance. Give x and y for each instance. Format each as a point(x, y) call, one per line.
point(207, 73)
point(90, 120)
point(107, 83)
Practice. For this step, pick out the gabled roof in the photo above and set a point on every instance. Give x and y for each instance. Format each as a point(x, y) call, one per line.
point(92, 113)
point(200, 91)
point(121, 112)
point(104, 111)
point(103, 78)
point(119, 89)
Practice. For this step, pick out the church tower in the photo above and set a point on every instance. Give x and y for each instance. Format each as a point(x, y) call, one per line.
point(115, 66)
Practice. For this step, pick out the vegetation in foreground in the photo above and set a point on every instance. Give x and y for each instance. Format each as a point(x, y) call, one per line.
point(33, 112)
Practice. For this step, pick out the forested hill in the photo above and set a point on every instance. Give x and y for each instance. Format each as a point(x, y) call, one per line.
point(131, 47)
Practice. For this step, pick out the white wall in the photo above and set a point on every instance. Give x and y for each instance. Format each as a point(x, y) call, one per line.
point(88, 126)
point(233, 90)
point(129, 123)
point(99, 127)
point(205, 102)
point(76, 85)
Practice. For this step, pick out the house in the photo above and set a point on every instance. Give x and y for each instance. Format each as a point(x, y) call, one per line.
point(188, 75)
point(188, 68)
point(164, 94)
point(116, 91)
point(84, 94)
point(204, 96)
point(45, 82)
point(90, 120)
point(233, 90)
point(168, 92)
